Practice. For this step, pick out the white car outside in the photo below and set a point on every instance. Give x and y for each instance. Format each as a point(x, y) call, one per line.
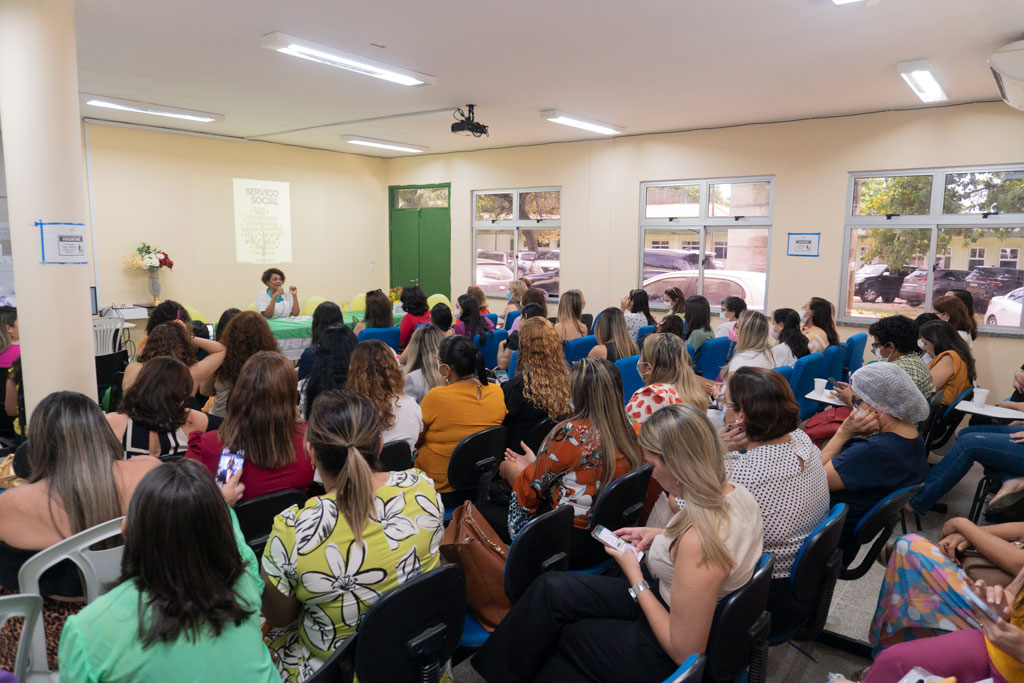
point(1005, 310)
point(718, 284)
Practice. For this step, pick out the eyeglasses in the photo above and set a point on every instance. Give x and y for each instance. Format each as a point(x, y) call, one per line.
point(855, 401)
point(720, 400)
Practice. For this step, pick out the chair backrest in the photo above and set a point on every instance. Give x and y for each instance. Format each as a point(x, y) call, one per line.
point(729, 647)
point(311, 304)
point(513, 364)
point(855, 346)
point(474, 454)
point(489, 346)
point(884, 514)
point(805, 371)
point(588, 322)
point(622, 501)
point(577, 349)
point(511, 318)
point(714, 353)
point(924, 427)
point(809, 567)
point(631, 379)
point(493, 317)
point(540, 546)
point(693, 352)
point(690, 671)
point(388, 335)
point(107, 367)
point(945, 420)
point(832, 363)
point(30, 608)
point(539, 432)
point(646, 330)
point(411, 632)
point(396, 456)
point(256, 516)
point(786, 371)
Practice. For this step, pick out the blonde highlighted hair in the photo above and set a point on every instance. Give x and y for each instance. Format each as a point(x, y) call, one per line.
point(753, 335)
point(683, 438)
point(374, 373)
point(423, 353)
point(670, 364)
point(516, 289)
point(611, 327)
point(570, 310)
point(542, 363)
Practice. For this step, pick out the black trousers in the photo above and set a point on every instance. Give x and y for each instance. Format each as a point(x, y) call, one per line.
point(574, 627)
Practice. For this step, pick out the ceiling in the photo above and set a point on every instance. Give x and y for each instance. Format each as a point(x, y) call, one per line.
point(647, 66)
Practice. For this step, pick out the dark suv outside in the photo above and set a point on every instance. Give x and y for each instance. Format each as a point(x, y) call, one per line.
point(945, 281)
point(876, 281)
point(986, 282)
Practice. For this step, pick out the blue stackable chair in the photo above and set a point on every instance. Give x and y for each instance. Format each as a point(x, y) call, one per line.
point(493, 317)
point(690, 671)
point(714, 353)
point(631, 380)
point(490, 346)
point(577, 349)
point(738, 640)
point(878, 524)
point(511, 318)
point(802, 382)
point(693, 352)
point(389, 335)
point(513, 364)
point(832, 363)
point(786, 371)
point(855, 346)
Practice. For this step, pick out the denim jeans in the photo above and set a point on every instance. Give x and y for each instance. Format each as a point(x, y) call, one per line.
point(988, 444)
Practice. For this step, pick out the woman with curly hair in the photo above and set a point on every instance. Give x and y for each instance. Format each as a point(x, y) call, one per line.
point(540, 387)
point(374, 373)
point(175, 339)
point(246, 334)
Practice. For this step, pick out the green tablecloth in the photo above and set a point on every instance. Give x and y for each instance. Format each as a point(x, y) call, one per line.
point(301, 327)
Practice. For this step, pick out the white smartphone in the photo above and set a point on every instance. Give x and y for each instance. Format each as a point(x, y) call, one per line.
point(981, 604)
point(229, 464)
point(609, 539)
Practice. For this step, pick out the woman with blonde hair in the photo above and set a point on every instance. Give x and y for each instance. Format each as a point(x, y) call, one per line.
point(576, 627)
point(664, 366)
point(421, 358)
point(613, 338)
point(540, 387)
point(953, 311)
point(754, 343)
point(374, 373)
point(516, 290)
point(570, 316)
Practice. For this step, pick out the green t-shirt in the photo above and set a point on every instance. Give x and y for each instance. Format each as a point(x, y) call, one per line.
point(101, 642)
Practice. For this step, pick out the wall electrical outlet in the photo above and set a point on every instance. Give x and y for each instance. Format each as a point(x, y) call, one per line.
point(373, 266)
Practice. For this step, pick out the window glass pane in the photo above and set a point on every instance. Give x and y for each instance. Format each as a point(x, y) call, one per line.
point(540, 205)
point(421, 198)
point(739, 199)
point(738, 266)
point(887, 272)
point(988, 259)
point(985, 192)
point(494, 207)
point(671, 259)
point(539, 260)
point(908, 195)
point(672, 201)
point(494, 259)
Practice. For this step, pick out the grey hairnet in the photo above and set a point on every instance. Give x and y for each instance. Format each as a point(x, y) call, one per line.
point(888, 388)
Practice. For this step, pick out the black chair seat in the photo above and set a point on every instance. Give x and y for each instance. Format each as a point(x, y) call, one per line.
point(256, 516)
point(738, 639)
point(396, 456)
point(475, 459)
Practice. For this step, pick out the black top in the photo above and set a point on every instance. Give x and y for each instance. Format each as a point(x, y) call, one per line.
point(613, 353)
point(61, 579)
point(523, 415)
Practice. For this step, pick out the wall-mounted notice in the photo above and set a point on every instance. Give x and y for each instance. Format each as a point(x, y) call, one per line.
point(63, 243)
point(803, 244)
point(263, 221)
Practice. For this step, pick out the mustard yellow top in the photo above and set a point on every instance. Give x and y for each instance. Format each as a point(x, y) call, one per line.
point(451, 413)
point(958, 382)
point(1007, 665)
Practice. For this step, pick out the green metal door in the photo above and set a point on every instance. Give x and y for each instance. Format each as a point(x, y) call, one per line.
point(435, 251)
point(420, 237)
point(405, 247)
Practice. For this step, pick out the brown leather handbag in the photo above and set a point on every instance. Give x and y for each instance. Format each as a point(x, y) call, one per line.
point(470, 542)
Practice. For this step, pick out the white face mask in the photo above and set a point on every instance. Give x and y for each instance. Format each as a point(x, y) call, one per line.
point(920, 344)
point(775, 335)
point(805, 317)
point(879, 356)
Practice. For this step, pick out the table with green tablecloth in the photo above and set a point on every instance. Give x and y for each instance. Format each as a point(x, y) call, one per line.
point(294, 334)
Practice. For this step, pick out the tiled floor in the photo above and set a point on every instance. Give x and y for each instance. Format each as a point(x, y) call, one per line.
point(853, 606)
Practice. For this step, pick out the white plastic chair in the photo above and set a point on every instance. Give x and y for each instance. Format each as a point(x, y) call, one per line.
point(30, 607)
point(96, 567)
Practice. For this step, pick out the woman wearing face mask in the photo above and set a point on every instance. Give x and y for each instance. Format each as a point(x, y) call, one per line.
point(952, 367)
point(791, 343)
point(819, 324)
point(664, 366)
point(894, 340)
point(732, 308)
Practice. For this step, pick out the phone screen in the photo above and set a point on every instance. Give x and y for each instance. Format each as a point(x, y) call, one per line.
point(229, 464)
point(981, 604)
point(606, 537)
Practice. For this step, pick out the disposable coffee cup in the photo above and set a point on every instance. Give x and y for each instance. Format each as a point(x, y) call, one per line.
point(980, 396)
point(819, 385)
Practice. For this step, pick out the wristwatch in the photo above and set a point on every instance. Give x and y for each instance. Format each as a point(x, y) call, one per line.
point(638, 588)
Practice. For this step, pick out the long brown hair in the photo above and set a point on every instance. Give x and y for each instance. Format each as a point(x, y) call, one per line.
point(169, 339)
point(374, 373)
point(545, 374)
point(670, 364)
point(675, 295)
point(378, 310)
point(158, 400)
point(245, 335)
point(260, 421)
point(611, 327)
point(536, 296)
point(570, 310)
point(959, 317)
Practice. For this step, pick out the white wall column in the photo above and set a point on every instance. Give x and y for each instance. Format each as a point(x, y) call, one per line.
point(42, 142)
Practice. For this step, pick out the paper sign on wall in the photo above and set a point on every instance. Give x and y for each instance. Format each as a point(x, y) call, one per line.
point(803, 244)
point(63, 243)
point(263, 221)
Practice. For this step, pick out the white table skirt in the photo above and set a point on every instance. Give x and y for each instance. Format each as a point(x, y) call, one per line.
point(293, 348)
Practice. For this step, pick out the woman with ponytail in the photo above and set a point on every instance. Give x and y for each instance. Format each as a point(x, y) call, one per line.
point(327, 561)
point(580, 627)
point(465, 404)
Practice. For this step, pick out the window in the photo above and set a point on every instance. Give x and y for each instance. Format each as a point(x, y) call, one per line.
point(421, 198)
point(517, 234)
point(914, 236)
point(706, 237)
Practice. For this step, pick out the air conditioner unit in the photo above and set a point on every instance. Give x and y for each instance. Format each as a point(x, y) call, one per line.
point(1007, 65)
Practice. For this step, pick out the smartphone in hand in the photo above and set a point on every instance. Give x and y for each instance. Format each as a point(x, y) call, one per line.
point(609, 539)
point(229, 464)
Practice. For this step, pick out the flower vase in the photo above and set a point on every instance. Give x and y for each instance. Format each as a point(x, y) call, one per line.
point(154, 284)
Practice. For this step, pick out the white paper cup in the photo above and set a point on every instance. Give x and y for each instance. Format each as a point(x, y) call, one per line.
point(980, 396)
point(819, 385)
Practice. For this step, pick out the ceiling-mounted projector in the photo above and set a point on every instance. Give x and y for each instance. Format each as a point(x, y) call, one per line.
point(1007, 65)
point(465, 123)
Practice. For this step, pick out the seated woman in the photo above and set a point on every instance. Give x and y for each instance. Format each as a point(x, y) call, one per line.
point(790, 342)
point(261, 426)
point(142, 629)
point(540, 387)
point(481, 298)
point(673, 324)
point(374, 531)
point(818, 318)
point(613, 339)
point(374, 373)
point(508, 347)
point(698, 322)
point(471, 324)
point(877, 449)
point(274, 301)
point(952, 366)
point(154, 417)
point(532, 296)
point(166, 312)
point(324, 315)
point(377, 314)
point(895, 341)
point(10, 355)
point(775, 461)
point(570, 316)
point(441, 317)
point(953, 311)
point(580, 627)
point(636, 312)
point(421, 362)
point(664, 366)
point(753, 344)
point(466, 404)
point(577, 460)
point(176, 340)
point(417, 310)
point(79, 479)
point(246, 335)
point(732, 308)
point(330, 371)
point(10, 336)
point(676, 302)
point(516, 290)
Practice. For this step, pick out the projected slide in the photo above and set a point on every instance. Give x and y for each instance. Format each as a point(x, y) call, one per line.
point(263, 222)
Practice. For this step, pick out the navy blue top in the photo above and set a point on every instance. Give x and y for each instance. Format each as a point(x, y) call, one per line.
point(306, 361)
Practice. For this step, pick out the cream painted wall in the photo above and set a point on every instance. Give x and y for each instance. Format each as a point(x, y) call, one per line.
point(175, 191)
point(810, 160)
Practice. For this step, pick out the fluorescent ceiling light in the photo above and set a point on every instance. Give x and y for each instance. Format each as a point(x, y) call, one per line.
point(383, 144)
point(846, 2)
point(578, 122)
point(315, 52)
point(151, 109)
point(920, 76)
